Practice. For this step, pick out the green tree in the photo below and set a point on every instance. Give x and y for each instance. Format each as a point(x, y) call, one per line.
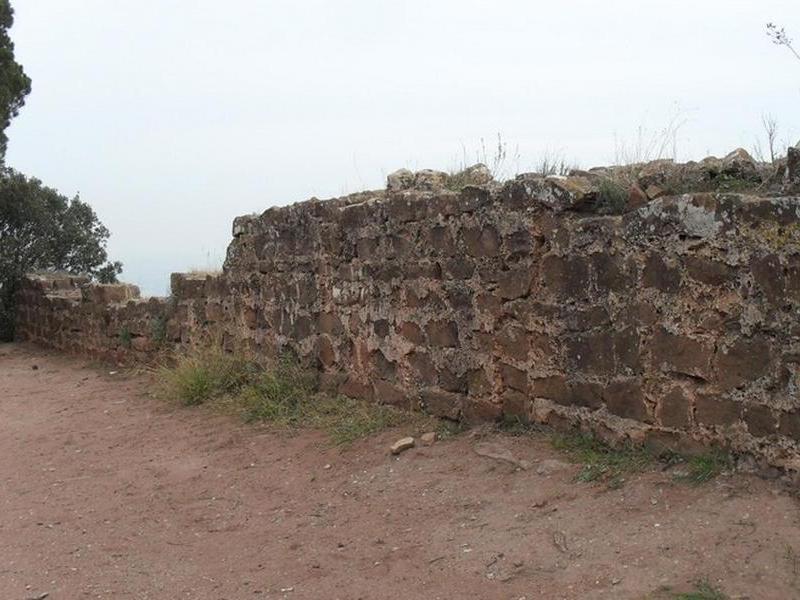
point(14, 84)
point(41, 230)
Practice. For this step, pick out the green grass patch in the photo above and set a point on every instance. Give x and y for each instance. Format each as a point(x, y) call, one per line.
point(600, 461)
point(612, 197)
point(283, 394)
point(125, 337)
point(703, 590)
point(158, 330)
point(515, 426)
point(286, 396)
point(610, 464)
point(705, 467)
point(202, 375)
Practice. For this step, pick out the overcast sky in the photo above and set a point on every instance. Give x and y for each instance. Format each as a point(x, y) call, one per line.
point(171, 117)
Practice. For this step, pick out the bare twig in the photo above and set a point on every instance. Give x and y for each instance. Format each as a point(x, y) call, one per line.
point(779, 38)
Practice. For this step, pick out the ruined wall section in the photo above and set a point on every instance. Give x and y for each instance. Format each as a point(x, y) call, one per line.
point(675, 323)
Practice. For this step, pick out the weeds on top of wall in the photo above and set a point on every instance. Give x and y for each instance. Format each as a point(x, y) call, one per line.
point(612, 197)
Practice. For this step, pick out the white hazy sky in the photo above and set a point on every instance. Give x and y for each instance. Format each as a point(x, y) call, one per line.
point(170, 117)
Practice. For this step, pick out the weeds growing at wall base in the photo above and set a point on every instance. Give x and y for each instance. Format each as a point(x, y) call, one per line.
point(283, 394)
point(703, 590)
point(601, 462)
point(705, 467)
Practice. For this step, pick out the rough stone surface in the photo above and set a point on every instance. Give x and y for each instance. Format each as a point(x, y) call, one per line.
point(676, 318)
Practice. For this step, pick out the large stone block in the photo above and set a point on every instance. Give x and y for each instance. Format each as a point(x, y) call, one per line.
point(659, 274)
point(717, 411)
point(214, 312)
point(761, 420)
point(386, 392)
point(789, 424)
point(514, 378)
point(681, 354)
point(440, 240)
point(625, 399)
point(367, 248)
point(442, 404)
point(513, 342)
point(356, 388)
point(458, 267)
point(516, 282)
point(185, 285)
point(769, 275)
point(452, 380)
point(109, 293)
point(519, 243)
point(481, 241)
point(592, 353)
point(565, 277)
point(609, 273)
point(442, 333)
point(329, 323)
point(515, 405)
point(422, 368)
point(478, 384)
point(480, 410)
point(568, 392)
point(674, 408)
point(412, 332)
point(708, 271)
point(742, 362)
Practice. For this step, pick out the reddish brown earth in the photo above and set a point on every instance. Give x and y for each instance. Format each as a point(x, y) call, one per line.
point(106, 492)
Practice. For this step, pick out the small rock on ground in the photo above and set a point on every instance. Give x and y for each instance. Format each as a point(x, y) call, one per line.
point(502, 455)
point(550, 465)
point(402, 445)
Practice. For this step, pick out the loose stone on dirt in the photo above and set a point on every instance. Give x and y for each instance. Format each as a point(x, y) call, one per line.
point(502, 455)
point(402, 445)
point(428, 439)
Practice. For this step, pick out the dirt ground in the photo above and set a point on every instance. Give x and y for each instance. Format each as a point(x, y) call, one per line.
point(106, 492)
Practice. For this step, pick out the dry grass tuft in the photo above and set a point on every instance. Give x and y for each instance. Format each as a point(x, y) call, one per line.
point(283, 394)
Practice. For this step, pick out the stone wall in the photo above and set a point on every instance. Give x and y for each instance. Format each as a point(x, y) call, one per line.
point(675, 322)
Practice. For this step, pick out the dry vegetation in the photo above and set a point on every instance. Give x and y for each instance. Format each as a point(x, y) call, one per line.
point(282, 394)
point(287, 396)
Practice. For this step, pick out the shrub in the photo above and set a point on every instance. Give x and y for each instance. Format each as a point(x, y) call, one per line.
point(202, 375)
point(125, 337)
point(158, 330)
point(283, 394)
point(703, 591)
point(705, 467)
point(600, 461)
point(612, 197)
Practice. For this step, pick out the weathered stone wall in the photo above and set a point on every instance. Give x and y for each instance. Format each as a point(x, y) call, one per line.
point(675, 322)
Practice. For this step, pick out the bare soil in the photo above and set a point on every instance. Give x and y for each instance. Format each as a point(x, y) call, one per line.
point(106, 492)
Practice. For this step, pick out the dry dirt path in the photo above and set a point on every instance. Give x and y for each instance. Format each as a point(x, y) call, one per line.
point(108, 493)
